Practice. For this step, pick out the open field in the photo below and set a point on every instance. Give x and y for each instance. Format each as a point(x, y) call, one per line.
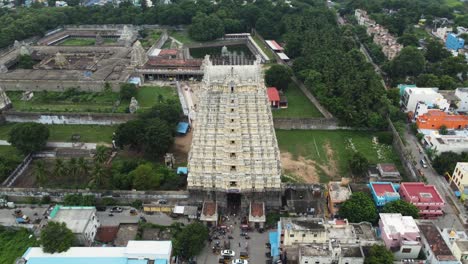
point(264, 47)
point(63, 133)
point(151, 38)
point(75, 101)
point(182, 36)
point(320, 156)
point(299, 106)
point(78, 42)
point(13, 244)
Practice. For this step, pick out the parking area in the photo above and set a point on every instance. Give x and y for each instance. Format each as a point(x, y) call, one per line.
point(34, 213)
point(255, 246)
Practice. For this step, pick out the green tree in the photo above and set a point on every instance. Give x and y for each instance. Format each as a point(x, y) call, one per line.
point(73, 168)
point(266, 27)
point(379, 254)
point(278, 76)
point(128, 90)
point(408, 40)
point(359, 208)
point(443, 130)
point(145, 177)
point(97, 176)
point(169, 111)
point(101, 155)
point(82, 167)
point(447, 83)
point(427, 80)
point(28, 137)
point(41, 173)
point(56, 237)
point(446, 162)
point(358, 164)
point(206, 27)
point(157, 138)
point(130, 134)
point(59, 168)
point(410, 62)
point(435, 51)
point(190, 240)
point(402, 207)
point(25, 62)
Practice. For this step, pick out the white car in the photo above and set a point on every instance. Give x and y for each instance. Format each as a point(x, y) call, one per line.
point(240, 261)
point(228, 253)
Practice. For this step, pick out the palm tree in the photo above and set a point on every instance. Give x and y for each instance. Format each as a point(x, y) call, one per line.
point(73, 169)
point(101, 154)
point(97, 176)
point(41, 174)
point(82, 167)
point(59, 169)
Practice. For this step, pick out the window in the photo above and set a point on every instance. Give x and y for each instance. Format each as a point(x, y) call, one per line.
point(233, 184)
point(232, 130)
point(232, 101)
point(291, 235)
point(232, 120)
point(315, 235)
point(303, 235)
point(233, 142)
point(233, 155)
point(406, 250)
point(232, 110)
point(233, 168)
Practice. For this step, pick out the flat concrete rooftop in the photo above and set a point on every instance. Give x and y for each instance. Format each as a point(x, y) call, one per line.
point(76, 218)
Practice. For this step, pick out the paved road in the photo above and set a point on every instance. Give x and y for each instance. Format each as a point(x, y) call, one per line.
point(451, 210)
point(126, 218)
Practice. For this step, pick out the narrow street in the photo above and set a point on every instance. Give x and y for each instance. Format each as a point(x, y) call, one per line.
point(453, 208)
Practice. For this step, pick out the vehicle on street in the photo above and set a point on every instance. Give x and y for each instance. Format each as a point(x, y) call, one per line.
point(116, 210)
point(240, 261)
point(423, 163)
point(228, 253)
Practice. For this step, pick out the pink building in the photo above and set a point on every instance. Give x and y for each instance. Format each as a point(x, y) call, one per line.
point(425, 197)
point(401, 235)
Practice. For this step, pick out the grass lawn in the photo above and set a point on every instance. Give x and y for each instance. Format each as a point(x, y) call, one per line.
point(182, 36)
point(453, 3)
point(151, 38)
point(88, 133)
point(420, 32)
point(78, 42)
point(9, 151)
point(264, 47)
point(330, 150)
point(149, 95)
point(299, 105)
point(13, 244)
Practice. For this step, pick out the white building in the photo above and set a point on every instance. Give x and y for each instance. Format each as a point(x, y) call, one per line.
point(138, 252)
point(435, 247)
point(442, 32)
point(413, 96)
point(462, 94)
point(81, 220)
point(457, 143)
point(303, 231)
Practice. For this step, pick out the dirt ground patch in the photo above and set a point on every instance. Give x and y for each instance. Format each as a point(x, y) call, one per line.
point(126, 232)
point(181, 147)
point(309, 170)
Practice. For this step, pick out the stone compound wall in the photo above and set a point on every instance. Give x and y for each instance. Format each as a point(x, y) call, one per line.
point(307, 124)
point(67, 118)
point(57, 85)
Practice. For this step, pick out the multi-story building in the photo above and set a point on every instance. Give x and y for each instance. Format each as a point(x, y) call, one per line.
point(234, 153)
point(401, 235)
point(453, 42)
point(462, 94)
point(459, 177)
point(338, 193)
point(414, 95)
point(426, 197)
point(81, 220)
point(434, 246)
point(303, 231)
point(383, 193)
point(456, 142)
point(435, 119)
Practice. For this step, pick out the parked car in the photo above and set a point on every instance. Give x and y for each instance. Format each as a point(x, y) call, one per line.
point(228, 253)
point(240, 261)
point(423, 163)
point(116, 210)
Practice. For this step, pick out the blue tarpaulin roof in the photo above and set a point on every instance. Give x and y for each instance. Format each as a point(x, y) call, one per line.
point(273, 238)
point(182, 170)
point(160, 261)
point(182, 127)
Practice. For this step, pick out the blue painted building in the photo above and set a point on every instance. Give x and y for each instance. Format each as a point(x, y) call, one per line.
point(454, 43)
point(402, 88)
point(384, 192)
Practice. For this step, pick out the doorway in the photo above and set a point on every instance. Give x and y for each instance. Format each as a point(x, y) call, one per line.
point(233, 202)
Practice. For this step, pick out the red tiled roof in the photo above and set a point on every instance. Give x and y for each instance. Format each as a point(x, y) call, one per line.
point(256, 209)
point(381, 189)
point(209, 208)
point(106, 234)
point(419, 192)
point(168, 52)
point(174, 62)
point(273, 94)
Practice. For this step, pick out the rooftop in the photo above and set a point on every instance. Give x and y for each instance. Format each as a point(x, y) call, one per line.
point(397, 223)
point(273, 94)
point(463, 166)
point(421, 90)
point(436, 242)
point(352, 252)
point(75, 217)
point(383, 189)
point(439, 114)
point(421, 193)
point(338, 192)
point(315, 249)
point(106, 234)
point(302, 223)
point(388, 167)
point(462, 245)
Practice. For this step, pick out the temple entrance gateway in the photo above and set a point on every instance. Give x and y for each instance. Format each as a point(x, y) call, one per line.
point(233, 202)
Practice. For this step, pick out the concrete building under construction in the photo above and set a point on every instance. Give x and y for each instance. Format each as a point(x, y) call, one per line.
point(234, 156)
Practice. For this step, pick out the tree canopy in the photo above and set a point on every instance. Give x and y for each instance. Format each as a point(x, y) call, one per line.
point(190, 240)
point(28, 137)
point(358, 164)
point(206, 27)
point(56, 237)
point(446, 161)
point(359, 208)
point(379, 254)
point(128, 90)
point(402, 207)
point(278, 76)
point(145, 177)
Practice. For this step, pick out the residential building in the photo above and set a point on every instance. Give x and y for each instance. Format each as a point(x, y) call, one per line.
point(456, 142)
point(459, 177)
point(401, 235)
point(460, 250)
point(209, 213)
point(453, 42)
point(402, 87)
point(462, 94)
point(434, 246)
point(316, 253)
point(257, 214)
point(338, 193)
point(303, 231)
point(136, 252)
point(458, 243)
point(426, 197)
point(384, 192)
point(435, 119)
point(451, 235)
point(442, 32)
point(81, 220)
point(384, 172)
point(414, 95)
